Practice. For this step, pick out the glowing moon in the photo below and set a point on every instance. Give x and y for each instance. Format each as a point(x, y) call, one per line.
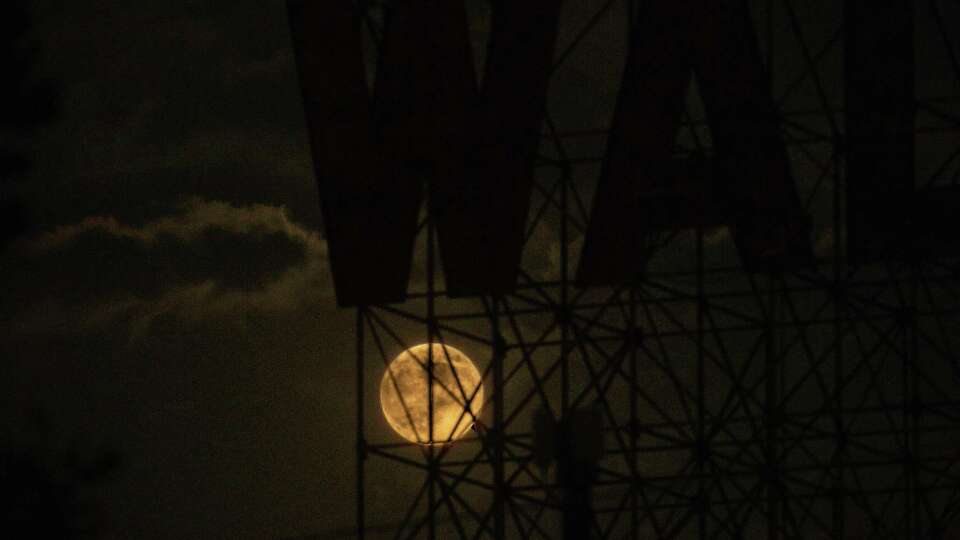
point(405, 401)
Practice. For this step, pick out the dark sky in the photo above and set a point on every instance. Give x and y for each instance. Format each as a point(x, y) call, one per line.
point(172, 300)
point(164, 100)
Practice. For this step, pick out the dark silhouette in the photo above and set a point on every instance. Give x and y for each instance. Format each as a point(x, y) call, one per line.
point(27, 101)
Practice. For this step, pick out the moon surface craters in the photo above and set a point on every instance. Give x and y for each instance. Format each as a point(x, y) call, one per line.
point(405, 399)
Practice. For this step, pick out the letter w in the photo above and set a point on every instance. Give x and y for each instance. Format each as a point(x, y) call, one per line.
point(427, 120)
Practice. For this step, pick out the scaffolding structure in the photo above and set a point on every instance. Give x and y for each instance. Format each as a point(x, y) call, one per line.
point(816, 401)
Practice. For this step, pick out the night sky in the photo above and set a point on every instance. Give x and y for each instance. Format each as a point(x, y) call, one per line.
point(170, 302)
point(168, 317)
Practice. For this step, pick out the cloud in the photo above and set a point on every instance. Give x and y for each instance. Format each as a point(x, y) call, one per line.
point(209, 261)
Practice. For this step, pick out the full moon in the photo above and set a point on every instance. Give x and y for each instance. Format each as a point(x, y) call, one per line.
point(405, 400)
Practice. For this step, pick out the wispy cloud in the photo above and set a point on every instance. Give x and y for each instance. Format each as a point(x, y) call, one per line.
point(209, 261)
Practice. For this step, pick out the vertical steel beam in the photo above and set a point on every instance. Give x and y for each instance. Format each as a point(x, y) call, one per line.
point(431, 336)
point(499, 352)
point(701, 396)
point(632, 10)
point(361, 438)
point(840, 314)
point(772, 414)
point(632, 342)
point(564, 291)
point(911, 401)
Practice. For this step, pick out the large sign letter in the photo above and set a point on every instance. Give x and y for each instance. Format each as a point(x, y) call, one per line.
point(427, 121)
point(879, 118)
point(747, 185)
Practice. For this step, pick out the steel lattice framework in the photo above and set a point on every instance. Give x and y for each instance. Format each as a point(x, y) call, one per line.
point(819, 402)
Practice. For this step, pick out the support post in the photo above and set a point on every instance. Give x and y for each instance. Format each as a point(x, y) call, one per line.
point(772, 419)
point(361, 439)
point(499, 494)
point(701, 412)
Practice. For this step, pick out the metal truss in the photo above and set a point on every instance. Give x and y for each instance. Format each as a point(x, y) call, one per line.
point(816, 403)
